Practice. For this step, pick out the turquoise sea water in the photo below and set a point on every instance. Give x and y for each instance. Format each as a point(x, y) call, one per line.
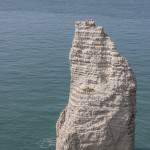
point(35, 38)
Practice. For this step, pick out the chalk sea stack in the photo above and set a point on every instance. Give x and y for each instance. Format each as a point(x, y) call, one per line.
point(100, 114)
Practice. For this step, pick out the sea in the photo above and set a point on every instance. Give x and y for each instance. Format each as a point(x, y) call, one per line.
point(35, 40)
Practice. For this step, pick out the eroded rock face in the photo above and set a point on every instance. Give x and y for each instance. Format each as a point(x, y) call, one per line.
point(100, 114)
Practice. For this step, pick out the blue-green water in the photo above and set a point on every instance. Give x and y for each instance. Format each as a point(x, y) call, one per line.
point(35, 38)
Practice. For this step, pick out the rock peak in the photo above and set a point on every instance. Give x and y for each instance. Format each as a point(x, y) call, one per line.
point(100, 114)
point(89, 23)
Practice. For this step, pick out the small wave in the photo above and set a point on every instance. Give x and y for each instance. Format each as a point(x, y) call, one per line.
point(47, 143)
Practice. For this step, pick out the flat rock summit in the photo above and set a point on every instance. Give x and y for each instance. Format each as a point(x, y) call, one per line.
point(100, 114)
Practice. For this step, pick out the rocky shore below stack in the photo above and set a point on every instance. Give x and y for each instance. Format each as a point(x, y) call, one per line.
point(100, 114)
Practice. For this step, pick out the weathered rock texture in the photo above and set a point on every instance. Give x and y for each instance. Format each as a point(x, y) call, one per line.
point(100, 114)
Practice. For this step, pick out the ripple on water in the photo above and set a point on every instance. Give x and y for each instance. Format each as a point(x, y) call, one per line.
point(47, 143)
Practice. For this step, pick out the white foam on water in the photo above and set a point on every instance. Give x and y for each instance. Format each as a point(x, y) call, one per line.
point(47, 143)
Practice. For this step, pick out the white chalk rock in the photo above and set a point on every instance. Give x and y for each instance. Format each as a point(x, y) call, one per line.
point(100, 114)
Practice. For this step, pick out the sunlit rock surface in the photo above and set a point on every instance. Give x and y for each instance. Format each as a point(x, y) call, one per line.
point(100, 114)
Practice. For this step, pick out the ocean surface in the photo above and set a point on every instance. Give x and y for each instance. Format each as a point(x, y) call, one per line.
point(35, 38)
